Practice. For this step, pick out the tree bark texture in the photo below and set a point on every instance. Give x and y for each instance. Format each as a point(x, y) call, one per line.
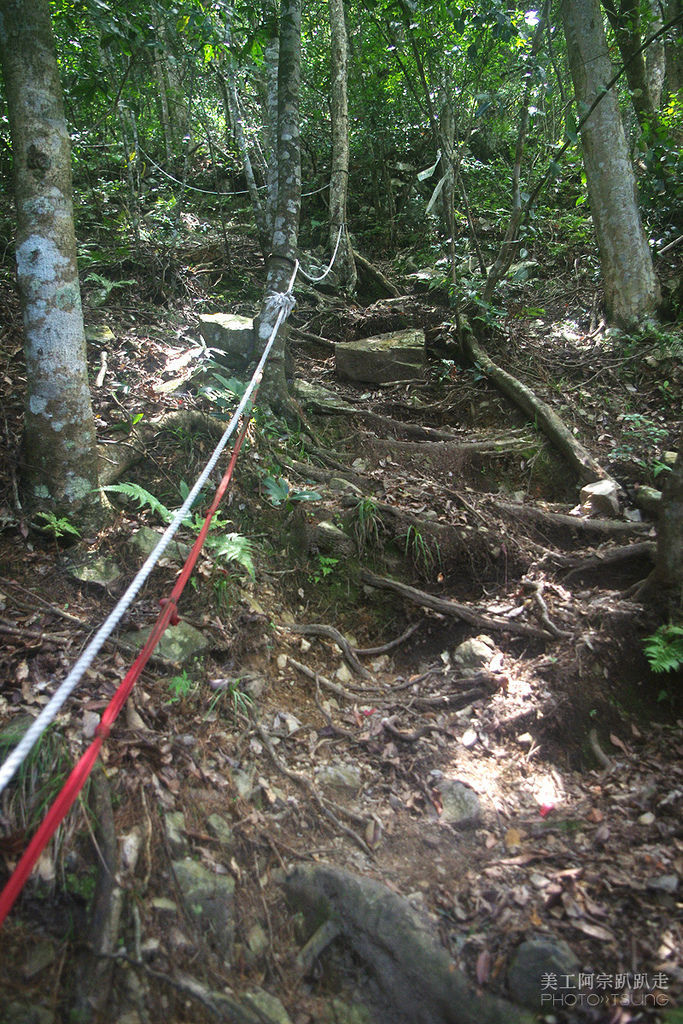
point(624, 17)
point(59, 439)
point(631, 288)
point(669, 568)
point(339, 178)
point(288, 204)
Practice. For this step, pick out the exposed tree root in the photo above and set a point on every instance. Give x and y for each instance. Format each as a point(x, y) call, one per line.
point(419, 980)
point(320, 629)
point(615, 556)
point(479, 619)
point(548, 420)
point(560, 522)
point(370, 275)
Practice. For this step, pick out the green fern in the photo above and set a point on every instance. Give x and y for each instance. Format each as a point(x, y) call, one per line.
point(229, 547)
point(143, 497)
point(664, 649)
point(233, 547)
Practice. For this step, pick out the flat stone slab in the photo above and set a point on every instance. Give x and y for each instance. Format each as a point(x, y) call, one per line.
point(399, 355)
point(314, 396)
point(179, 643)
point(233, 335)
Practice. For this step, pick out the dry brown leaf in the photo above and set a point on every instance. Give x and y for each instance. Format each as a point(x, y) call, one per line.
point(596, 931)
point(483, 969)
point(513, 840)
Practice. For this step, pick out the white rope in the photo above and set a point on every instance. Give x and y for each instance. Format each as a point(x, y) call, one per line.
point(315, 280)
point(284, 301)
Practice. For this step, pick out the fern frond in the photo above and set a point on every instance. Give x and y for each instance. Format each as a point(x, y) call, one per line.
point(143, 497)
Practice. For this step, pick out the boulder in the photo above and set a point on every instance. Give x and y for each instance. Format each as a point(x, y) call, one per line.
point(600, 498)
point(232, 335)
point(399, 355)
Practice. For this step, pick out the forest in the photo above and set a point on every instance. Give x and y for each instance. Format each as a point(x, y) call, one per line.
point(341, 512)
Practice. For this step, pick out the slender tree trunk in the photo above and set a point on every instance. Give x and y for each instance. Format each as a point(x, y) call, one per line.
point(511, 241)
point(625, 21)
point(229, 91)
point(655, 57)
point(288, 204)
point(631, 288)
point(272, 65)
point(164, 108)
point(339, 179)
point(60, 469)
point(674, 48)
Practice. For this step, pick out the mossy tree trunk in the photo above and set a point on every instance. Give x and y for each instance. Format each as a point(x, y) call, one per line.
point(339, 179)
point(631, 288)
point(288, 203)
point(60, 457)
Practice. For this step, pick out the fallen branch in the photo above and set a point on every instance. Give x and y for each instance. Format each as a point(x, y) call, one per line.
point(458, 611)
point(548, 420)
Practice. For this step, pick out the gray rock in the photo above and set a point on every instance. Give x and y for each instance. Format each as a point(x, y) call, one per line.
point(174, 822)
point(319, 398)
point(233, 335)
point(179, 643)
point(533, 959)
point(461, 806)
point(244, 783)
point(100, 335)
point(269, 1009)
point(209, 900)
point(399, 355)
point(257, 940)
point(100, 571)
point(339, 1012)
point(337, 483)
point(329, 538)
point(219, 828)
point(340, 776)
point(649, 499)
point(473, 655)
point(600, 498)
point(145, 540)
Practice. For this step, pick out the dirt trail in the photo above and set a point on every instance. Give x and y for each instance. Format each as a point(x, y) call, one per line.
point(334, 719)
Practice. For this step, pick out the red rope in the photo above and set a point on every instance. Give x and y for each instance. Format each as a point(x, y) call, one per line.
point(76, 780)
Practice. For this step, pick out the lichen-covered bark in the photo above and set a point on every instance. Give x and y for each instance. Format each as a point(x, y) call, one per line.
point(631, 289)
point(339, 178)
point(60, 459)
point(624, 17)
point(288, 204)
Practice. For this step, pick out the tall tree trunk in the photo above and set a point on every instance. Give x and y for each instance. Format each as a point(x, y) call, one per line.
point(624, 17)
point(655, 57)
point(631, 288)
point(674, 48)
point(339, 179)
point(288, 203)
point(59, 439)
